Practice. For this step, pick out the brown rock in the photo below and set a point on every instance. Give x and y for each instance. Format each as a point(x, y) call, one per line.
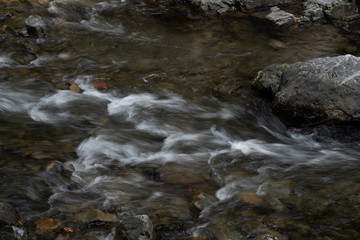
point(47, 226)
point(73, 87)
point(99, 85)
point(90, 214)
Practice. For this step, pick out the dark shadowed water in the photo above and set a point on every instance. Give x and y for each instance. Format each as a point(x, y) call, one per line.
point(176, 134)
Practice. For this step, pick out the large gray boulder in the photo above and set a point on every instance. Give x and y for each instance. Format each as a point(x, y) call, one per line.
point(323, 90)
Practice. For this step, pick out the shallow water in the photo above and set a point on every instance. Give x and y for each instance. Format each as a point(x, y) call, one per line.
point(202, 159)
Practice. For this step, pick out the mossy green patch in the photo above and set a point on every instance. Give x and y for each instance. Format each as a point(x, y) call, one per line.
point(256, 83)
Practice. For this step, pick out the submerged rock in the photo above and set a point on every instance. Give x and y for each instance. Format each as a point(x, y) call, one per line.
point(8, 215)
point(323, 90)
point(281, 18)
point(203, 200)
point(179, 173)
point(90, 214)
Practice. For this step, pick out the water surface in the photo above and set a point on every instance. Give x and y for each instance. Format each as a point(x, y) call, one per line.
point(176, 134)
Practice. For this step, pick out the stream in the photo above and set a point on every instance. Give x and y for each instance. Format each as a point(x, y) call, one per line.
point(165, 124)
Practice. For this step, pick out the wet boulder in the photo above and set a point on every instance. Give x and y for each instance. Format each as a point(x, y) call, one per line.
point(134, 228)
point(35, 26)
point(320, 91)
point(281, 18)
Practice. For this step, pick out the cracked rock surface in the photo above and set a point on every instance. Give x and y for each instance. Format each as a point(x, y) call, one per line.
point(323, 90)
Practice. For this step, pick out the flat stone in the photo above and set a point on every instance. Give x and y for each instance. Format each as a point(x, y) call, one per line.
point(47, 226)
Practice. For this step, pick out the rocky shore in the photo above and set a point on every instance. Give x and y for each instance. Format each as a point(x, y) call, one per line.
point(320, 91)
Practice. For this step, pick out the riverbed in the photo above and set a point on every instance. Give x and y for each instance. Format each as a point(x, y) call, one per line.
point(162, 122)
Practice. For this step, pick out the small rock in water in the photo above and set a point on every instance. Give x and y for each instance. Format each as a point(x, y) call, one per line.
point(134, 228)
point(281, 18)
point(35, 26)
point(8, 215)
point(99, 85)
point(63, 85)
point(276, 44)
point(73, 87)
point(47, 226)
point(90, 214)
point(204, 200)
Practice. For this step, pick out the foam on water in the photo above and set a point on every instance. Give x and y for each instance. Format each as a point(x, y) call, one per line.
point(14, 101)
point(5, 61)
point(94, 151)
point(164, 140)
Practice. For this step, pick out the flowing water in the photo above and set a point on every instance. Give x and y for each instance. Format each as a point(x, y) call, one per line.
point(177, 134)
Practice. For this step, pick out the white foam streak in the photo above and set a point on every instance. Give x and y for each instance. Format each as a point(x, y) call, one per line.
point(13, 101)
point(53, 108)
point(223, 113)
point(99, 149)
point(144, 101)
point(97, 26)
point(174, 139)
point(5, 61)
point(256, 146)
